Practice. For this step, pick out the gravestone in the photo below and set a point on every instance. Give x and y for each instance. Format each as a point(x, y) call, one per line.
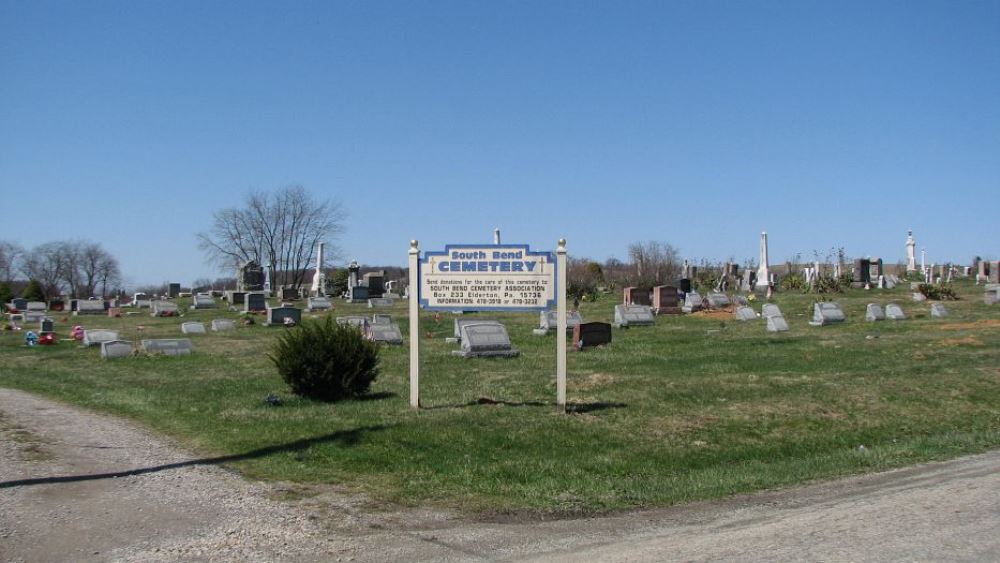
point(202, 301)
point(90, 307)
point(221, 325)
point(991, 297)
point(633, 315)
point(665, 300)
point(116, 349)
point(862, 271)
point(717, 300)
point(745, 314)
point(459, 323)
point(254, 302)
point(994, 273)
point(19, 303)
point(289, 293)
point(587, 335)
point(173, 290)
point(318, 304)
point(770, 310)
point(95, 336)
point(235, 297)
point(387, 333)
point(919, 297)
point(164, 309)
point(684, 284)
point(485, 340)
point(826, 313)
point(33, 316)
point(894, 312)
point(549, 320)
point(874, 313)
point(57, 305)
point(777, 324)
point(46, 325)
point(276, 316)
point(381, 319)
point(353, 320)
point(938, 311)
point(142, 304)
point(375, 282)
point(380, 302)
point(692, 302)
point(250, 277)
point(193, 328)
point(168, 346)
point(636, 296)
point(36, 306)
point(357, 294)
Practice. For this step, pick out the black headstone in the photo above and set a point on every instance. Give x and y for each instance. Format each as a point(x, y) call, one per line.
point(586, 335)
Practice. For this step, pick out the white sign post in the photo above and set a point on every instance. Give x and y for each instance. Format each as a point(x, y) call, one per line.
point(497, 277)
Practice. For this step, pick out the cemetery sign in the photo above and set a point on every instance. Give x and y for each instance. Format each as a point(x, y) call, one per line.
point(487, 277)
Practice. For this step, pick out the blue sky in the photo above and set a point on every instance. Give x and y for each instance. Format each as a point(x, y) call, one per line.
point(696, 123)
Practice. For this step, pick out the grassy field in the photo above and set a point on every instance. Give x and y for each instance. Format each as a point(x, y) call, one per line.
point(698, 406)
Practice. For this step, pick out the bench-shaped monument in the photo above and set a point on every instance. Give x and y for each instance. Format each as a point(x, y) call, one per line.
point(481, 340)
point(633, 315)
point(826, 313)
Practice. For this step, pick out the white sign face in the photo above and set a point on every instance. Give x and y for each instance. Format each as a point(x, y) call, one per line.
point(487, 277)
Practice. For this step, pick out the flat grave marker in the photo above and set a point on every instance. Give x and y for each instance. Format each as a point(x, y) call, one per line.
point(633, 315)
point(168, 346)
point(193, 328)
point(222, 325)
point(116, 349)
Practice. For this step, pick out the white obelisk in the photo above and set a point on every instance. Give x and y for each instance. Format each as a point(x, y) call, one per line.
point(763, 273)
point(911, 252)
point(319, 278)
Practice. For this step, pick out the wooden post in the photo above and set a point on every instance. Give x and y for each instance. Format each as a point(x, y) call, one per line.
point(414, 325)
point(561, 326)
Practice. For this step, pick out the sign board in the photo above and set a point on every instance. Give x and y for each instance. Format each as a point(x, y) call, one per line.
point(487, 277)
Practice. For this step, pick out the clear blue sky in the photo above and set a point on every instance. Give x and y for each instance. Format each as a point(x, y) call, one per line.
point(696, 123)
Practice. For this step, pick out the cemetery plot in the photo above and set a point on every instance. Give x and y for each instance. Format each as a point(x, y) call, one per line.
point(633, 315)
point(480, 340)
point(167, 346)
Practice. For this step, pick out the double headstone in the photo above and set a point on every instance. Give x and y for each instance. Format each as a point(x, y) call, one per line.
point(116, 349)
point(485, 340)
point(95, 336)
point(894, 312)
point(318, 303)
point(193, 328)
point(665, 300)
point(549, 320)
point(168, 346)
point(874, 313)
point(586, 335)
point(220, 325)
point(280, 316)
point(692, 302)
point(91, 307)
point(826, 313)
point(163, 309)
point(636, 296)
point(633, 315)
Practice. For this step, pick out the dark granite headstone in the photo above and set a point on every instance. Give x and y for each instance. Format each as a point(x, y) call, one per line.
point(277, 316)
point(587, 335)
point(254, 302)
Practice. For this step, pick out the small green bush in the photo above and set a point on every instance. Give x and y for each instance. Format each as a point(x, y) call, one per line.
point(33, 291)
point(939, 292)
point(792, 282)
point(322, 360)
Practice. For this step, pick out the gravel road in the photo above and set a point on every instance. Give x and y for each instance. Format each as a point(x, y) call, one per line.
point(77, 486)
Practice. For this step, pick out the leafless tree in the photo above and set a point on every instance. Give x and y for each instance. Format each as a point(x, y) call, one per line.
point(77, 267)
point(654, 262)
point(10, 254)
point(46, 264)
point(279, 230)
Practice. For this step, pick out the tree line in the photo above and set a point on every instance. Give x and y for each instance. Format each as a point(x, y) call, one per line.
point(76, 268)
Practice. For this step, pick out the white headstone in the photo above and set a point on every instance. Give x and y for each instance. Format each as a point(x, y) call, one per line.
point(193, 328)
point(874, 313)
point(220, 325)
point(894, 312)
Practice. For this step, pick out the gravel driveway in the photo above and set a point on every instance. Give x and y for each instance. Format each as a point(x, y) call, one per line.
point(77, 486)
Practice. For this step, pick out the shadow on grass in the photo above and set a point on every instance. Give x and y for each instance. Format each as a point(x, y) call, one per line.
point(345, 438)
point(376, 396)
point(573, 408)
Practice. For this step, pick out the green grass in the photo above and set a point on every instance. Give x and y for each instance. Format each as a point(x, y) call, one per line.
point(691, 408)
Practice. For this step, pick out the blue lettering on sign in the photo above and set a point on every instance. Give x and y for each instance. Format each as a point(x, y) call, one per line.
point(487, 265)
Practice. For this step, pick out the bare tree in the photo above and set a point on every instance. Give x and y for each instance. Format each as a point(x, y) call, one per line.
point(77, 267)
point(10, 254)
point(654, 262)
point(279, 231)
point(46, 264)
